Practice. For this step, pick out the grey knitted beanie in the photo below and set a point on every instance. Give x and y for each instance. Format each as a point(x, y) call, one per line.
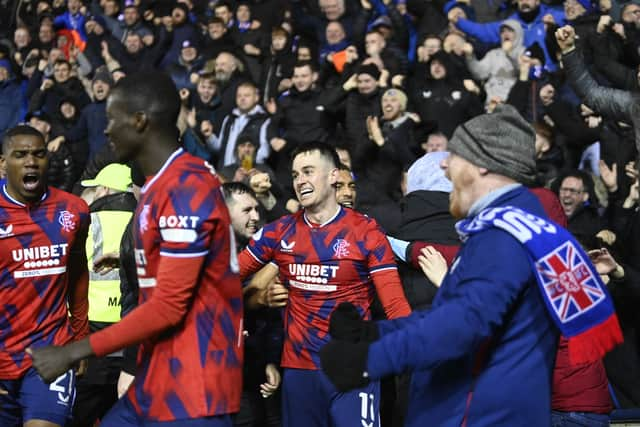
point(502, 142)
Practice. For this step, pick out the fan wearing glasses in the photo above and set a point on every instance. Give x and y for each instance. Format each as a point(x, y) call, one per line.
point(575, 191)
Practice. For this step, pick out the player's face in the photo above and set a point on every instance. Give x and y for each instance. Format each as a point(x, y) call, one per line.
point(346, 189)
point(121, 131)
point(25, 163)
point(462, 174)
point(313, 179)
point(244, 215)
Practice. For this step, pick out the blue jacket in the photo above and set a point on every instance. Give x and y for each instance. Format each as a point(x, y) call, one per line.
point(485, 351)
point(12, 104)
point(533, 32)
point(91, 126)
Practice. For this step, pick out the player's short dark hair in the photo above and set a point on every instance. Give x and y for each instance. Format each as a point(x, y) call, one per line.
point(153, 93)
point(215, 20)
point(325, 150)
point(231, 188)
point(18, 131)
point(223, 3)
point(344, 167)
point(310, 64)
point(208, 76)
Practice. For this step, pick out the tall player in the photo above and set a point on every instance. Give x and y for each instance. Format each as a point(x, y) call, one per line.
point(189, 319)
point(326, 255)
point(44, 268)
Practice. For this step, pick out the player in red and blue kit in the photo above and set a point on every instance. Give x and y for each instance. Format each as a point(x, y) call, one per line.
point(42, 239)
point(326, 255)
point(189, 370)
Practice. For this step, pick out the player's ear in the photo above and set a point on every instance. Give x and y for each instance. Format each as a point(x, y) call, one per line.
point(140, 120)
point(333, 176)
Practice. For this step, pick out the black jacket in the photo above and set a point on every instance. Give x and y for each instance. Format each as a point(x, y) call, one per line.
point(61, 173)
point(425, 217)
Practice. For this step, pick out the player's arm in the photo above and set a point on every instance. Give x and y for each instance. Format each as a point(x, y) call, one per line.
point(256, 293)
point(165, 309)
point(181, 258)
point(384, 273)
point(259, 251)
point(78, 282)
point(449, 331)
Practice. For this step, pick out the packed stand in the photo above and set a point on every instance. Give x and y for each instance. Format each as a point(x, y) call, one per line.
point(384, 82)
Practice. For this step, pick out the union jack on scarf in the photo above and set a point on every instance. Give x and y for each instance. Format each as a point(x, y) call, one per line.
point(575, 296)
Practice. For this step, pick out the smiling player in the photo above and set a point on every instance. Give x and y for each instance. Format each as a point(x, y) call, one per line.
point(326, 255)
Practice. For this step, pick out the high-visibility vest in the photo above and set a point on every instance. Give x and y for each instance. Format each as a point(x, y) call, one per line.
point(105, 233)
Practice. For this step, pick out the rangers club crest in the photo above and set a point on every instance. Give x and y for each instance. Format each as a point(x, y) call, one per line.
point(143, 220)
point(65, 219)
point(569, 283)
point(341, 248)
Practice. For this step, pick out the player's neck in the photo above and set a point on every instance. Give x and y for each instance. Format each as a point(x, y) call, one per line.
point(321, 214)
point(155, 154)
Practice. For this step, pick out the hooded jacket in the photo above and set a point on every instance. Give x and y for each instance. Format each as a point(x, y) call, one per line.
point(499, 69)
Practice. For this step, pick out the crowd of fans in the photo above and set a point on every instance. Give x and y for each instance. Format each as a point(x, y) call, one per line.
point(383, 81)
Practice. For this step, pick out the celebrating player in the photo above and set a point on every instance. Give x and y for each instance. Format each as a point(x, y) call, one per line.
point(326, 255)
point(44, 268)
point(188, 321)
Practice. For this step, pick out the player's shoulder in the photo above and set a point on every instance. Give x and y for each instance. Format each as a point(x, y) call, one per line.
point(284, 223)
point(187, 170)
point(72, 202)
point(360, 221)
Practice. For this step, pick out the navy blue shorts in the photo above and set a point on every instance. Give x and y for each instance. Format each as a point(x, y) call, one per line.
point(30, 398)
point(123, 414)
point(309, 399)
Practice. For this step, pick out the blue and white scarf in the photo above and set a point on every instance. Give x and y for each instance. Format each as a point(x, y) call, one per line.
point(575, 296)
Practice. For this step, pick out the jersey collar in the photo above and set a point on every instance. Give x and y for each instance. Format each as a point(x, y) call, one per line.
point(327, 222)
point(166, 164)
point(7, 196)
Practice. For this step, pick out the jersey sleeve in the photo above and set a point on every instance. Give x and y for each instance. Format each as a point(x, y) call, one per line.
point(78, 297)
point(191, 225)
point(384, 273)
point(259, 251)
point(186, 219)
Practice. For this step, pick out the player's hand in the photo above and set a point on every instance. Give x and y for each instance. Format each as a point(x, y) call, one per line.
point(51, 361)
point(277, 294)
point(54, 144)
point(292, 205)
point(433, 265)
point(271, 106)
point(3, 391)
point(106, 263)
point(603, 23)
point(566, 38)
point(277, 144)
point(82, 367)
point(124, 382)
point(375, 132)
point(347, 324)
point(607, 236)
point(260, 182)
point(273, 380)
point(603, 261)
point(609, 175)
point(351, 83)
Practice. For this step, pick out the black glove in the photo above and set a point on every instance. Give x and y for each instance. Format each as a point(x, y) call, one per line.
point(346, 324)
point(345, 364)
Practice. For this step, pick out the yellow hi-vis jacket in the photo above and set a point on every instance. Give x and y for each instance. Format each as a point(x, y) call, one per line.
point(105, 233)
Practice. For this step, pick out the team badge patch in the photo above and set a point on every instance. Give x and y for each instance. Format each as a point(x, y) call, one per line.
point(65, 219)
point(341, 248)
point(568, 282)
